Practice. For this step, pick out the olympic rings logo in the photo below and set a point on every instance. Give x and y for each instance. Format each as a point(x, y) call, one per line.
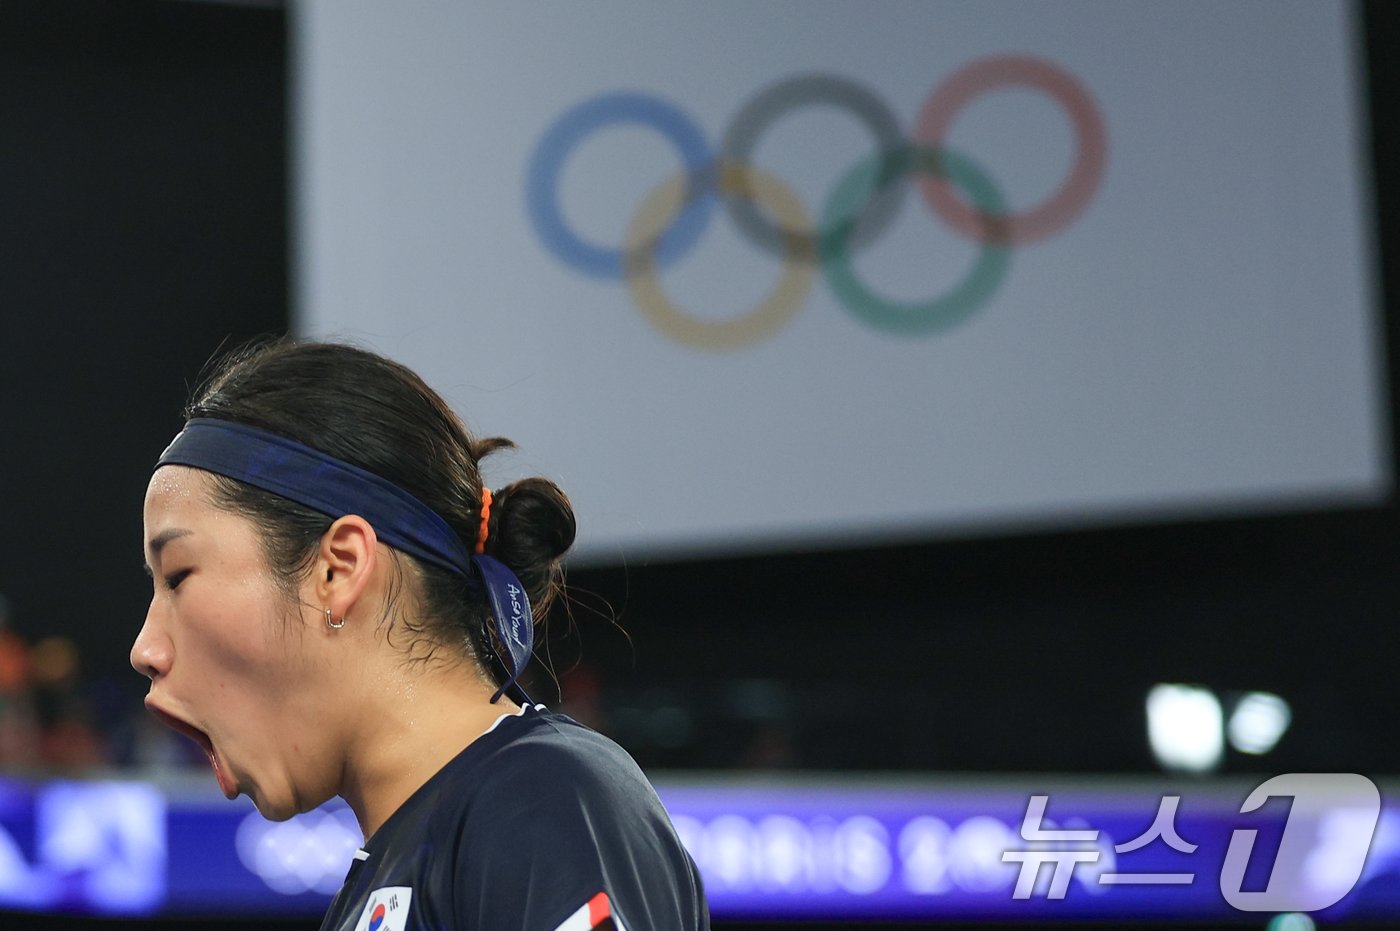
point(859, 207)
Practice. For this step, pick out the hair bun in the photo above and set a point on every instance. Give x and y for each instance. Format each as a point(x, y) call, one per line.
point(531, 528)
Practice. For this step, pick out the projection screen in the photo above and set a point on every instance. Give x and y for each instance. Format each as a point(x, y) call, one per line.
point(816, 274)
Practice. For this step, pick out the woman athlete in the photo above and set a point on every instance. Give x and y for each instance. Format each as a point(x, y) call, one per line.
point(342, 608)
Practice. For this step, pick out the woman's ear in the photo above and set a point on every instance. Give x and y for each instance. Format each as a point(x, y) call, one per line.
point(345, 564)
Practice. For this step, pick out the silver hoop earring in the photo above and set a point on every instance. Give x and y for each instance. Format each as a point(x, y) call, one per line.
point(332, 624)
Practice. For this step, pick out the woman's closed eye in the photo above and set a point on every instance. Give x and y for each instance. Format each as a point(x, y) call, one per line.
point(173, 580)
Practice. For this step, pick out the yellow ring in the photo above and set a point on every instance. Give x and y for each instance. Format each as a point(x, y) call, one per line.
point(769, 316)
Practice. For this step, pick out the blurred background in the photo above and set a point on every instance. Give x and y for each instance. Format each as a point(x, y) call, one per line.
point(1098, 503)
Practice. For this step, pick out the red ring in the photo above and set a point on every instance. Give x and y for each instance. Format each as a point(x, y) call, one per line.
point(1060, 208)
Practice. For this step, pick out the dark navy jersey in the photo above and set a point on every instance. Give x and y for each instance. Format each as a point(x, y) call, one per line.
point(540, 824)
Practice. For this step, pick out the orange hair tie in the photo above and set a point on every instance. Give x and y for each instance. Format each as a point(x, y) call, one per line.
point(485, 521)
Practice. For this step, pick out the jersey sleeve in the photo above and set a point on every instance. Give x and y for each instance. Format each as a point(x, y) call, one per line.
point(572, 840)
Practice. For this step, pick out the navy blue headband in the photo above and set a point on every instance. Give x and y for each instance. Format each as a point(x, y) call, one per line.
point(336, 488)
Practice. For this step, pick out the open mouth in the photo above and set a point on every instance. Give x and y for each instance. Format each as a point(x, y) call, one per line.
point(202, 739)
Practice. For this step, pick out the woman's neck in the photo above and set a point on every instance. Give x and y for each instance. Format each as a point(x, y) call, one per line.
point(416, 722)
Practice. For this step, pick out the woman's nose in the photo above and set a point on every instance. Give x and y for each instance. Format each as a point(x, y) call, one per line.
point(151, 653)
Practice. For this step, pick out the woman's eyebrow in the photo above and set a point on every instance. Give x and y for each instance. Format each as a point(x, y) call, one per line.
point(165, 536)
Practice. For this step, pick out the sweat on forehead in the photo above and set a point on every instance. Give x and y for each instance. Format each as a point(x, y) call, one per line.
point(176, 499)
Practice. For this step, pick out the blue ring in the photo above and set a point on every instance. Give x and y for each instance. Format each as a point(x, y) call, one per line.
point(574, 126)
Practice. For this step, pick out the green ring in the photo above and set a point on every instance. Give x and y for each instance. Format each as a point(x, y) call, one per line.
point(939, 313)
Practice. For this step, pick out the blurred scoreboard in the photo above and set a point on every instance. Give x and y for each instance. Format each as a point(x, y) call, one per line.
point(794, 848)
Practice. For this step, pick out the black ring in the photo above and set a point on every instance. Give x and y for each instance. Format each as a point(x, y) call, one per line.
point(763, 109)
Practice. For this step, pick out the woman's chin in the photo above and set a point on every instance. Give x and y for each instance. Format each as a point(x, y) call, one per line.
point(282, 805)
point(270, 807)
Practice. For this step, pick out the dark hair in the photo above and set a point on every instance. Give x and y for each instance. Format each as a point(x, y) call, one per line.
point(373, 412)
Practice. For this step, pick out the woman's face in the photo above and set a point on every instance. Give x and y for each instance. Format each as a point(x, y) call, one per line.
point(226, 652)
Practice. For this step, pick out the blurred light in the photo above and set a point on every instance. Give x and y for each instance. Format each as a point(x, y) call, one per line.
point(1186, 727)
point(864, 846)
point(1290, 922)
point(923, 849)
point(974, 855)
point(309, 853)
point(107, 839)
point(1258, 721)
point(786, 847)
point(732, 852)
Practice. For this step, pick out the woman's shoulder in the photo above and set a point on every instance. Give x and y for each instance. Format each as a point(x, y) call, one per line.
point(547, 749)
point(539, 819)
point(561, 819)
point(530, 765)
point(546, 775)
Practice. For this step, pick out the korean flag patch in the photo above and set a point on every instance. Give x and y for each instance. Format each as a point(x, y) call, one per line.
point(387, 909)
